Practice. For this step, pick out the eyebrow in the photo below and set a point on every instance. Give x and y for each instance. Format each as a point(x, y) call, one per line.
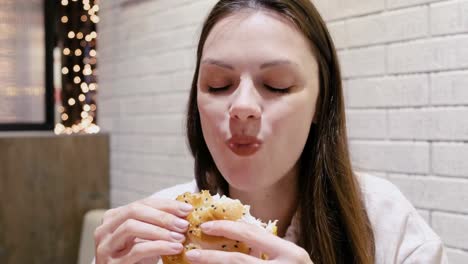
point(263, 66)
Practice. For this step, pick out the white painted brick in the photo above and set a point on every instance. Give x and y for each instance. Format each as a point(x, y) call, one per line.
point(425, 214)
point(411, 90)
point(338, 32)
point(367, 124)
point(446, 53)
point(147, 183)
point(434, 192)
point(449, 17)
point(388, 27)
point(160, 125)
point(450, 159)
point(457, 256)
point(160, 103)
point(162, 145)
point(405, 3)
point(449, 88)
point(363, 61)
point(409, 124)
point(336, 9)
point(450, 123)
point(161, 165)
point(406, 157)
point(453, 228)
point(432, 123)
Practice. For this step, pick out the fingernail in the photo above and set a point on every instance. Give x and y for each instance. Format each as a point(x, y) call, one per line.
point(186, 207)
point(177, 236)
point(180, 223)
point(176, 246)
point(192, 254)
point(206, 226)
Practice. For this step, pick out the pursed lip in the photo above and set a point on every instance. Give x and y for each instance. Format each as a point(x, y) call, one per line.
point(243, 145)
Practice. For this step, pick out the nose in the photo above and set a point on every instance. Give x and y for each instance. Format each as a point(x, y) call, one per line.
point(245, 105)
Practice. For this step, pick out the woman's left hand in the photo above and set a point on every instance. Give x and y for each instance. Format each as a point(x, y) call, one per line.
point(278, 250)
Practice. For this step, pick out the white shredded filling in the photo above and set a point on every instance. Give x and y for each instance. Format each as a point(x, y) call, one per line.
point(247, 217)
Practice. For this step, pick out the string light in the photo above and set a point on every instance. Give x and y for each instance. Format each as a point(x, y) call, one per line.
point(84, 87)
point(71, 34)
point(84, 42)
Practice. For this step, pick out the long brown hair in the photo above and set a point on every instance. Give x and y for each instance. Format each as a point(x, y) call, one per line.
point(334, 226)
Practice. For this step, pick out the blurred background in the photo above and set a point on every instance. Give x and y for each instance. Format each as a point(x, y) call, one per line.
point(93, 96)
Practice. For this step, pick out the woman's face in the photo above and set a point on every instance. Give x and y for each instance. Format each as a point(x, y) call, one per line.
point(257, 91)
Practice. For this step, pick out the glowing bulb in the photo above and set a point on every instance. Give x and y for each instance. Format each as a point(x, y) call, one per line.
point(71, 34)
point(86, 107)
point(77, 80)
point(79, 35)
point(78, 52)
point(96, 8)
point(61, 109)
point(64, 70)
point(93, 34)
point(64, 19)
point(66, 51)
point(76, 68)
point(84, 114)
point(92, 53)
point(95, 19)
point(93, 107)
point(86, 7)
point(64, 117)
point(71, 101)
point(84, 87)
point(87, 71)
point(88, 38)
point(81, 97)
point(64, 2)
point(92, 86)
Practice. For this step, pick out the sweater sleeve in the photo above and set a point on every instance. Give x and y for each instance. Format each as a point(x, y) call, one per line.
point(429, 252)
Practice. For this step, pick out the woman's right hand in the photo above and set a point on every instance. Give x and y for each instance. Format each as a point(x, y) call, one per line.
point(141, 231)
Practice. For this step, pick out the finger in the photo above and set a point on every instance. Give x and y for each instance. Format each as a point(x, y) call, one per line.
point(174, 207)
point(131, 229)
point(214, 256)
point(250, 234)
point(149, 249)
point(143, 213)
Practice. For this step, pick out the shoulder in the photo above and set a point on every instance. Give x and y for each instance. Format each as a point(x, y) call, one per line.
point(174, 191)
point(400, 232)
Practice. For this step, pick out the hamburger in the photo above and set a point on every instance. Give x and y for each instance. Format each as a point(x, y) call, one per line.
point(209, 208)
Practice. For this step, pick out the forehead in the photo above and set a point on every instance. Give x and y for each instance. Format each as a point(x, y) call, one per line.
point(250, 36)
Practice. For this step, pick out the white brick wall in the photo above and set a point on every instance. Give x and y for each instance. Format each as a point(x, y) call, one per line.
point(405, 69)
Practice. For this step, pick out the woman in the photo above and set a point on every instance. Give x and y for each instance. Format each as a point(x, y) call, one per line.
point(266, 125)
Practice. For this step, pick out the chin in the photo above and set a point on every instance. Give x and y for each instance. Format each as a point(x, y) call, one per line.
point(243, 180)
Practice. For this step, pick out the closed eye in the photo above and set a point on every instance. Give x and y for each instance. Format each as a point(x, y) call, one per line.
point(277, 89)
point(217, 89)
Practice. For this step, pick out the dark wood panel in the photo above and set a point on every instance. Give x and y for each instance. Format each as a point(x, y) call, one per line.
point(47, 183)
